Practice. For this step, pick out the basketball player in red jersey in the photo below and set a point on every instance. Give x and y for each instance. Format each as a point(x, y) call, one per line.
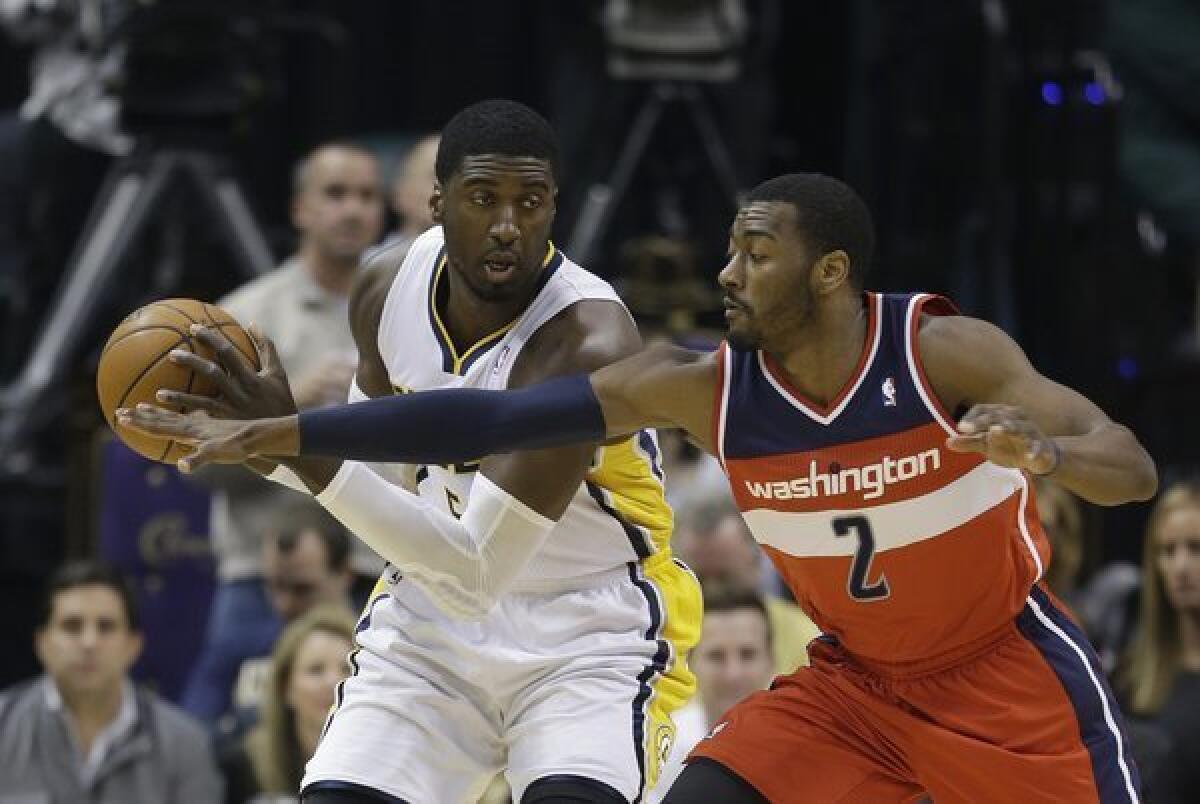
point(880, 448)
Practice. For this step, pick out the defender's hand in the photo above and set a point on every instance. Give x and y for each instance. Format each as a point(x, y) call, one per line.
point(1006, 436)
point(242, 392)
point(215, 440)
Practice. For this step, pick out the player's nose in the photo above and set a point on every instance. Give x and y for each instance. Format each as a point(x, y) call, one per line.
point(504, 229)
point(730, 275)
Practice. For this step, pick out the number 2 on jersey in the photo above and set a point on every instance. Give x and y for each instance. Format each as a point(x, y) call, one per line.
point(856, 584)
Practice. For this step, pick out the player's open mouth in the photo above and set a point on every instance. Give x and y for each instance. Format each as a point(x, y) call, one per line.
point(500, 267)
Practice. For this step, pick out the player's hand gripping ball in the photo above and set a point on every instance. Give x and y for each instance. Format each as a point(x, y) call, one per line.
point(136, 363)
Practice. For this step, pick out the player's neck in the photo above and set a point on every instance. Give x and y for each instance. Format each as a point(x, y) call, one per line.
point(820, 357)
point(1189, 626)
point(333, 275)
point(469, 318)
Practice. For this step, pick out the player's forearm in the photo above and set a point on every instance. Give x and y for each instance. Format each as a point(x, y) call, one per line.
point(1107, 466)
point(464, 565)
point(442, 426)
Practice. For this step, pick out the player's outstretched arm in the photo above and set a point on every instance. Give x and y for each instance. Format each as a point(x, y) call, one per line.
point(1019, 418)
point(659, 386)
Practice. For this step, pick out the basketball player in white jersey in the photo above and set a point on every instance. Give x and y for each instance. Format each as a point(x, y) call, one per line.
point(562, 671)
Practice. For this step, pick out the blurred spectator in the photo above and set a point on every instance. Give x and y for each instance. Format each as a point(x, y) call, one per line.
point(412, 187)
point(306, 666)
point(337, 206)
point(719, 548)
point(53, 153)
point(82, 732)
point(305, 563)
point(732, 660)
point(1163, 671)
point(695, 479)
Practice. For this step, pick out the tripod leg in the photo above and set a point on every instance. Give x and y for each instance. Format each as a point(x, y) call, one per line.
point(713, 142)
point(602, 199)
point(229, 207)
point(121, 211)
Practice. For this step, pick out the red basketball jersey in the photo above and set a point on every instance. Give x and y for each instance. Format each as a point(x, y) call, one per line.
point(901, 549)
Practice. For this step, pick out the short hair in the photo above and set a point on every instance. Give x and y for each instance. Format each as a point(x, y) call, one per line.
point(303, 167)
point(829, 214)
point(298, 517)
point(725, 596)
point(495, 126)
point(87, 573)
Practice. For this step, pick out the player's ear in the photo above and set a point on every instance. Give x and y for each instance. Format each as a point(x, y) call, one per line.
point(436, 202)
point(831, 271)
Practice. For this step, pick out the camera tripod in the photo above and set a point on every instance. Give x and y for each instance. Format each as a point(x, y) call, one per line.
point(603, 198)
point(140, 189)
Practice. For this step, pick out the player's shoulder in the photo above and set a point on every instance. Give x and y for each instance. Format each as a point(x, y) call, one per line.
point(583, 336)
point(963, 357)
point(961, 339)
point(378, 271)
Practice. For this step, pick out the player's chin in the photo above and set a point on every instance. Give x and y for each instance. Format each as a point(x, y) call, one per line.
point(740, 337)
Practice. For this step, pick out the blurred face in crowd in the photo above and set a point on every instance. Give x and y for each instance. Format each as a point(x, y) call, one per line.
point(319, 665)
point(297, 575)
point(724, 552)
point(766, 281)
point(732, 659)
point(414, 185)
point(1178, 540)
point(497, 212)
point(338, 206)
point(88, 646)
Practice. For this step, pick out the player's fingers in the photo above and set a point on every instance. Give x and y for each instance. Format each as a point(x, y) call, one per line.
point(206, 368)
point(151, 420)
point(977, 419)
point(210, 405)
point(214, 450)
point(967, 443)
point(229, 355)
point(268, 355)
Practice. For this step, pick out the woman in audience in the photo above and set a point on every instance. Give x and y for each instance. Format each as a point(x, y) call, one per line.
point(1163, 678)
point(308, 662)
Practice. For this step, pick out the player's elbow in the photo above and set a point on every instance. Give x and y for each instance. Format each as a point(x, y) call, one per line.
point(1146, 479)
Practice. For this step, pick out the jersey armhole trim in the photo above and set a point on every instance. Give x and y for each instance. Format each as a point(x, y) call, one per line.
point(912, 352)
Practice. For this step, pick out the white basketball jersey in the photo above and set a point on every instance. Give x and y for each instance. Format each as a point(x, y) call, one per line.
point(619, 514)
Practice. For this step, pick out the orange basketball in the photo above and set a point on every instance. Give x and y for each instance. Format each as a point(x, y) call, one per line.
point(134, 364)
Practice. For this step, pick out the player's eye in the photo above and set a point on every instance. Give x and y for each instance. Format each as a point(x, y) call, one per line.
point(532, 202)
point(481, 199)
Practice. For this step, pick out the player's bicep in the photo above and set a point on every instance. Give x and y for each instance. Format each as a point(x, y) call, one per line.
point(367, 298)
point(972, 362)
point(544, 480)
point(662, 386)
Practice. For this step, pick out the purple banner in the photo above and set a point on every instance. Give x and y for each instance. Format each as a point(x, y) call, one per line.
point(154, 526)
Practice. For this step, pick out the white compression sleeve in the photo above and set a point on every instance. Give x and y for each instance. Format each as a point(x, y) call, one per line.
point(464, 565)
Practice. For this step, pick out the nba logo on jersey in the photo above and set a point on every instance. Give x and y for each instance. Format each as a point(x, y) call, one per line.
point(889, 393)
point(501, 360)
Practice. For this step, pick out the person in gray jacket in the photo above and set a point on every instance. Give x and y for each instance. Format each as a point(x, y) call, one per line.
point(82, 733)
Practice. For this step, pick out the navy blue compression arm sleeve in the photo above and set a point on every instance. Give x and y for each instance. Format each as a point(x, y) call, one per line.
point(452, 426)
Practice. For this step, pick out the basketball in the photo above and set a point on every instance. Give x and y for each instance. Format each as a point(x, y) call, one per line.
point(135, 364)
